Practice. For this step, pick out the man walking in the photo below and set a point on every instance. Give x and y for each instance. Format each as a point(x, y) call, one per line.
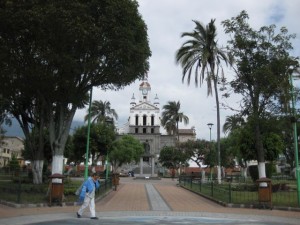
point(87, 195)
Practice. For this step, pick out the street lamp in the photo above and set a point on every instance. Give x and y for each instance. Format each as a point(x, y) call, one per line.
point(210, 126)
point(294, 122)
point(88, 138)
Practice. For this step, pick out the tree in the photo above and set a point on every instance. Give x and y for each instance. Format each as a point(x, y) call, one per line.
point(171, 116)
point(197, 151)
point(172, 157)
point(125, 150)
point(14, 165)
point(232, 122)
point(261, 61)
point(4, 119)
point(101, 112)
point(63, 49)
point(202, 55)
point(102, 137)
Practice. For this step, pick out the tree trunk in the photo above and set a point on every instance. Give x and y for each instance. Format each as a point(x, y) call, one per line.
point(59, 127)
point(218, 131)
point(203, 176)
point(260, 152)
point(57, 164)
point(37, 171)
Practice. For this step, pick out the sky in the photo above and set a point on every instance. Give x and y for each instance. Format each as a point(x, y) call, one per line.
point(166, 20)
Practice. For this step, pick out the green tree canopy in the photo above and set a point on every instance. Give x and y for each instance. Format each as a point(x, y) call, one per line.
point(171, 116)
point(197, 151)
point(172, 157)
point(125, 150)
point(102, 137)
point(63, 49)
point(261, 58)
point(101, 112)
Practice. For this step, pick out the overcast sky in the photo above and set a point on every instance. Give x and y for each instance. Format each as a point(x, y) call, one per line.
point(166, 20)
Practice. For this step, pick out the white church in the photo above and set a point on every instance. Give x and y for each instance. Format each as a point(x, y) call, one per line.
point(144, 123)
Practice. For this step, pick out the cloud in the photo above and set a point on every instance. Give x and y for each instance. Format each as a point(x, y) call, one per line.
point(166, 20)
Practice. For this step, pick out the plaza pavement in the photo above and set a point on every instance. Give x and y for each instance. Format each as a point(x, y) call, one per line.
point(149, 202)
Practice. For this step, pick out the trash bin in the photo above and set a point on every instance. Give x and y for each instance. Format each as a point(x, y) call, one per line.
point(115, 179)
point(56, 189)
point(264, 192)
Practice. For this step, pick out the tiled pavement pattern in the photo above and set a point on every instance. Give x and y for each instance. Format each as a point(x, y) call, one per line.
point(133, 198)
point(156, 201)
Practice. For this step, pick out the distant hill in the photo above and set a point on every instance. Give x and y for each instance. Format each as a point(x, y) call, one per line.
point(15, 129)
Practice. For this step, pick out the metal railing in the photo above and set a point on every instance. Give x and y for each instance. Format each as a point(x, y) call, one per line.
point(15, 191)
point(241, 192)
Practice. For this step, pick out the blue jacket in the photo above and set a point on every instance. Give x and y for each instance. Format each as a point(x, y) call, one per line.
point(88, 187)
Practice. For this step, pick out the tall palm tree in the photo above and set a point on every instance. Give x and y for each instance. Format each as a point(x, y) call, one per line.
point(202, 56)
point(171, 116)
point(101, 112)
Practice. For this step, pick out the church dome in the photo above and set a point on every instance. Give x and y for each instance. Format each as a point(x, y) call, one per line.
point(145, 84)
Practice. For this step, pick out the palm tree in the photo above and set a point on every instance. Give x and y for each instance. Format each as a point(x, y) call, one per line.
point(101, 112)
point(202, 54)
point(171, 117)
point(232, 122)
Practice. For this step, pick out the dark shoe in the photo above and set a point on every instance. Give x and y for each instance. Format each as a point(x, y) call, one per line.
point(94, 218)
point(78, 216)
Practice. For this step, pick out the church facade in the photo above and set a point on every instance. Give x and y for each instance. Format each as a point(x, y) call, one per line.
point(144, 124)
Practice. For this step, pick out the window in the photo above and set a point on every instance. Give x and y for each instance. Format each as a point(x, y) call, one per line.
point(152, 120)
point(136, 130)
point(144, 120)
point(136, 120)
point(152, 130)
point(144, 131)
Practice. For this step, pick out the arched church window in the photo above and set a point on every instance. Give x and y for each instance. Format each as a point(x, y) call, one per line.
point(152, 120)
point(136, 120)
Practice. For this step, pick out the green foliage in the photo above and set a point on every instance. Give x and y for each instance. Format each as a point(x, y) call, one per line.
point(229, 151)
point(63, 49)
point(198, 151)
point(171, 116)
point(101, 140)
point(14, 164)
point(200, 55)
point(101, 112)
point(125, 150)
point(172, 157)
point(262, 59)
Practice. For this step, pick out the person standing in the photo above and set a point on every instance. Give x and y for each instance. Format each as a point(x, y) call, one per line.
point(87, 196)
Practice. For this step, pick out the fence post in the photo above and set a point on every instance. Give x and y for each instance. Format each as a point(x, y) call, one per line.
point(200, 184)
point(19, 191)
point(230, 197)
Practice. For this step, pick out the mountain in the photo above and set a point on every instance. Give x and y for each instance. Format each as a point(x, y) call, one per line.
point(15, 129)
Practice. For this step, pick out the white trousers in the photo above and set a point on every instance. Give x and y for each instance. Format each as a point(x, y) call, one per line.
point(88, 202)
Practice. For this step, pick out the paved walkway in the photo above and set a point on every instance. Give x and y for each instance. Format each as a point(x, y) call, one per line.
point(153, 200)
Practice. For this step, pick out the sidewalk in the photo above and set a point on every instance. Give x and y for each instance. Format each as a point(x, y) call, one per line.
point(133, 198)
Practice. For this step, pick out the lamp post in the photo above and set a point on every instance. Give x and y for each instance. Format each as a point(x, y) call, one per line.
point(88, 138)
point(210, 126)
point(294, 121)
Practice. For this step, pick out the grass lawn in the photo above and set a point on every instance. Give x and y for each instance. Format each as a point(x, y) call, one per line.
point(245, 193)
point(33, 194)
